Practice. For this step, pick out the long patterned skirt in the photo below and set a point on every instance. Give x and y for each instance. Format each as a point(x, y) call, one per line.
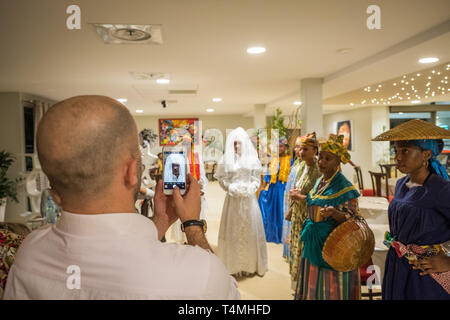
point(316, 283)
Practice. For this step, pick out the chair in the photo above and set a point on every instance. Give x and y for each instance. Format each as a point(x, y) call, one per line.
point(359, 177)
point(210, 170)
point(376, 178)
point(387, 168)
point(364, 275)
point(447, 166)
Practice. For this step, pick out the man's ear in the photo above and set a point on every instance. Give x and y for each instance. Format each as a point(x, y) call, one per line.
point(131, 178)
point(56, 197)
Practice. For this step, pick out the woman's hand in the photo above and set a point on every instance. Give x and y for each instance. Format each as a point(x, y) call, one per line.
point(435, 264)
point(333, 213)
point(295, 195)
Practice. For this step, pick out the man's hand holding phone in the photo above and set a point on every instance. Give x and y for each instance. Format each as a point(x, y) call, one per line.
point(188, 206)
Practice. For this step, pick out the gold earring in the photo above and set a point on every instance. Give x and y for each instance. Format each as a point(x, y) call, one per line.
point(425, 164)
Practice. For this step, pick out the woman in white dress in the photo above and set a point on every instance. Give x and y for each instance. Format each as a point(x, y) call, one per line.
point(242, 241)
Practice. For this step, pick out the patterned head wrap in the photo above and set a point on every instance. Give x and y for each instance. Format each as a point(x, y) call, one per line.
point(335, 145)
point(308, 140)
point(436, 146)
point(283, 140)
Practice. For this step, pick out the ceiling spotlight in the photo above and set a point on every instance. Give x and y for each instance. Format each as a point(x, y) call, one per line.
point(122, 100)
point(256, 50)
point(139, 111)
point(217, 99)
point(351, 104)
point(428, 60)
point(343, 50)
point(415, 101)
point(162, 81)
point(298, 103)
point(210, 110)
point(400, 113)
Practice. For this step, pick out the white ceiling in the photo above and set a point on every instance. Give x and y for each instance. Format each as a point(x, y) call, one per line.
point(204, 46)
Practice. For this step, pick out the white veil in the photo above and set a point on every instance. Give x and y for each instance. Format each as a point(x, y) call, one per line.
point(248, 158)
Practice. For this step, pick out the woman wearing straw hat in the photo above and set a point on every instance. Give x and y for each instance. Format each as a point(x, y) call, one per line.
point(417, 263)
point(302, 178)
point(332, 201)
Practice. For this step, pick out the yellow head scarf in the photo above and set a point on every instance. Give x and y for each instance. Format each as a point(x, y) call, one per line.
point(335, 145)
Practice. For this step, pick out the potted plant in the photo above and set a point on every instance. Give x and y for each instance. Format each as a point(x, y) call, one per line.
point(8, 187)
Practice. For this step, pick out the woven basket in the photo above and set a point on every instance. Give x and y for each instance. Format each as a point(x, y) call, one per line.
point(350, 245)
point(414, 130)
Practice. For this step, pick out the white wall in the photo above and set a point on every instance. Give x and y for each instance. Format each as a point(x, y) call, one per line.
point(366, 124)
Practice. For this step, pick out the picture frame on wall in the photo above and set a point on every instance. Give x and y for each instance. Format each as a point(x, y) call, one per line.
point(171, 131)
point(346, 129)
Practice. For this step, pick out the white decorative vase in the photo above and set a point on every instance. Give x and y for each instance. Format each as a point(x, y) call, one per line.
point(2, 209)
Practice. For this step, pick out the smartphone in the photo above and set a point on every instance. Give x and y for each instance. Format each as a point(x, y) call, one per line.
point(175, 169)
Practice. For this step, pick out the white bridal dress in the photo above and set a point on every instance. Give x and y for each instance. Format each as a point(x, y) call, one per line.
point(242, 241)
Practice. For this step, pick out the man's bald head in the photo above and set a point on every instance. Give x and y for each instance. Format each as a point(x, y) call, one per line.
point(81, 140)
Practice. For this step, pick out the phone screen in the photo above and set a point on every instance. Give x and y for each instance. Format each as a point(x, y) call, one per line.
point(174, 169)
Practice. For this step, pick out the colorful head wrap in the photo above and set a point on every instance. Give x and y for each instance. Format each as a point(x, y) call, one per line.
point(436, 146)
point(335, 145)
point(309, 140)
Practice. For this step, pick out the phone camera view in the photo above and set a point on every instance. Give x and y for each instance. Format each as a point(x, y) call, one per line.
point(174, 169)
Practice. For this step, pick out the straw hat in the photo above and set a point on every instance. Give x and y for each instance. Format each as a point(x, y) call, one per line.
point(349, 246)
point(414, 130)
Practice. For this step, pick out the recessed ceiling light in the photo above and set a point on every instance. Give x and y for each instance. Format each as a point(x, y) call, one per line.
point(298, 103)
point(415, 101)
point(343, 50)
point(139, 111)
point(256, 50)
point(210, 110)
point(352, 104)
point(122, 100)
point(400, 113)
point(217, 99)
point(162, 81)
point(428, 60)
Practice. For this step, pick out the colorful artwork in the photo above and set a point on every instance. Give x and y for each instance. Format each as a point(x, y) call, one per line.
point(171, 131)
point(345, 128)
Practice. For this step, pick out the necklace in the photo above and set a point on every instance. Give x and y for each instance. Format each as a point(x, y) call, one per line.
point(321, 190)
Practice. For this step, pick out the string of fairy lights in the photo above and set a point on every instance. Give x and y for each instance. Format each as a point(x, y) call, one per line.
point(411, 88)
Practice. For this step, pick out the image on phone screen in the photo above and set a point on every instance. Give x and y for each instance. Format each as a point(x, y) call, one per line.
point(174, 169)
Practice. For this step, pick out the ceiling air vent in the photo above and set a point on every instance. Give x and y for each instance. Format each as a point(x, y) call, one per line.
point(182, 91)
point(129, 33)
point(149, 75)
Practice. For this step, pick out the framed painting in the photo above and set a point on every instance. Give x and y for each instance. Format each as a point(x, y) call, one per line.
point(171, 131)
point(345, 128)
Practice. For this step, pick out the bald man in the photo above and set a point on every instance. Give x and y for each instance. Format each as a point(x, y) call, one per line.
point(101, 248)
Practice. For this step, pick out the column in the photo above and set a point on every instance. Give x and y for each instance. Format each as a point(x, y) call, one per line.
point(311, 111)
point(259, 118)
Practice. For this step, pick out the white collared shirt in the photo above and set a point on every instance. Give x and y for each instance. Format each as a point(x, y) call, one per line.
point(118, 256)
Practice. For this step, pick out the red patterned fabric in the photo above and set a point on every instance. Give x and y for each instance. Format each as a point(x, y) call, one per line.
point(442, 278)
